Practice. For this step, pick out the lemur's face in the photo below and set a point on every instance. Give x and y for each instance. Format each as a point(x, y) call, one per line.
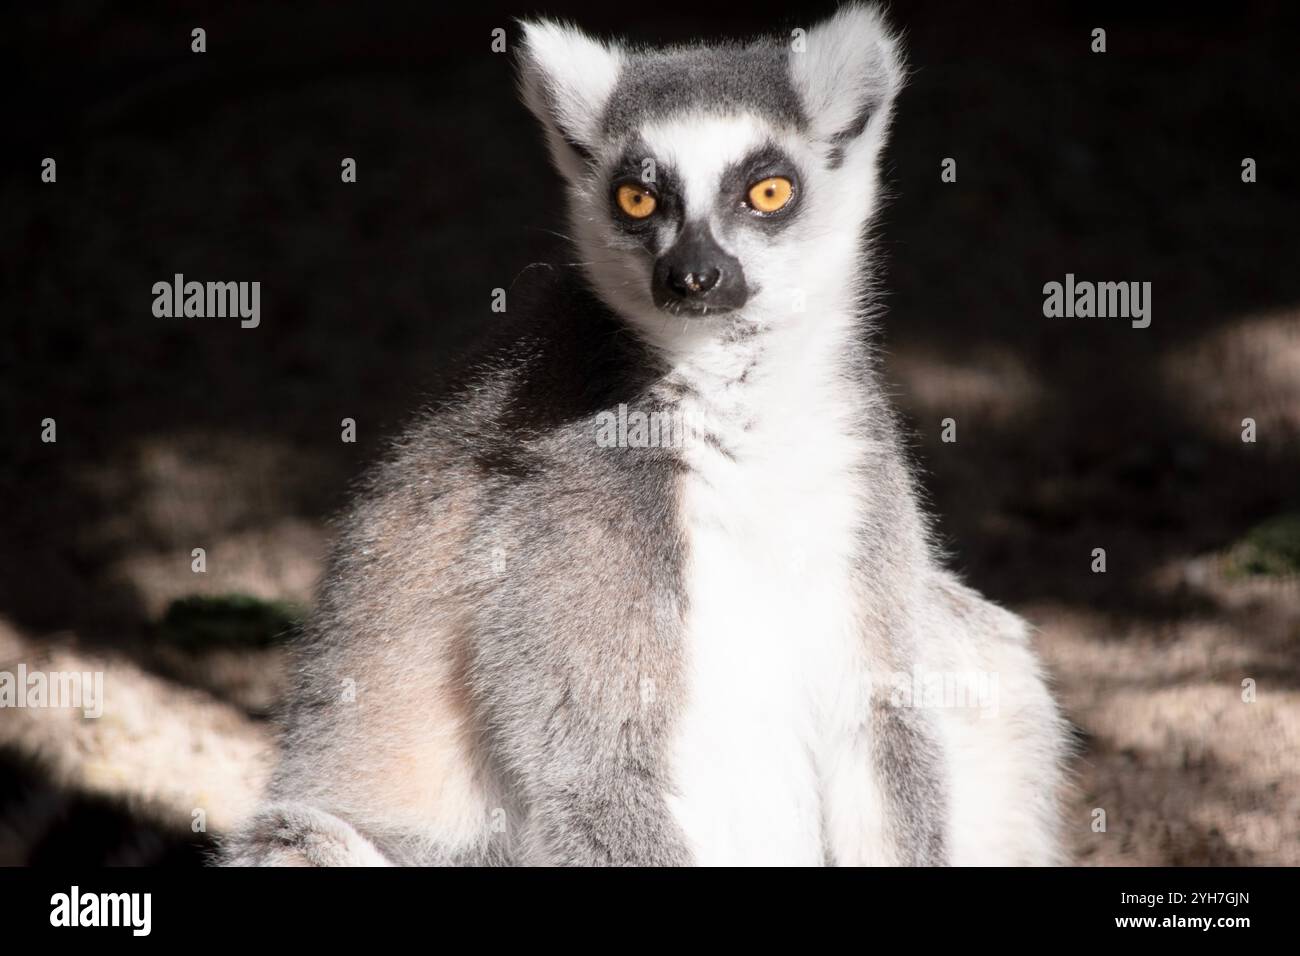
point(695, 210)
point(711, 186)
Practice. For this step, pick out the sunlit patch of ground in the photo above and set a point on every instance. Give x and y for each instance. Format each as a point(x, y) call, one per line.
point(994, 384)
point(170, 494)
point(1246, 369)
point(167, 754)
point(1191, 724)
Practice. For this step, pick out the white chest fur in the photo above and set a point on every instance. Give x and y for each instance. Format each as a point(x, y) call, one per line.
point(774, 656)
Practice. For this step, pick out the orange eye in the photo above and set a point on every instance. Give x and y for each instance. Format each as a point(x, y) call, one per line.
point(769, 195)
point(635, 201)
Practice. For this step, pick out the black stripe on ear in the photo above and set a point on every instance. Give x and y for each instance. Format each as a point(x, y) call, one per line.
point(854, 129)
point(838, 142)
point(578, 148)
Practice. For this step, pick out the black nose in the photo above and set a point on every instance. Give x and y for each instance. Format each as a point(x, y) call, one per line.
point(697, 275)
point(693, 281)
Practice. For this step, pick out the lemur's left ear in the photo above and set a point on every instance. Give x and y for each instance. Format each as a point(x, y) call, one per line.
point(847, 72)
point(566, 78)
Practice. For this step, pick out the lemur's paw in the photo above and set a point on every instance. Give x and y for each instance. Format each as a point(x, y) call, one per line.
point(295, 834)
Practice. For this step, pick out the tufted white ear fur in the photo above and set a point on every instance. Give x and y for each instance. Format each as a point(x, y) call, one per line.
point(846, 75)
point(566, 78)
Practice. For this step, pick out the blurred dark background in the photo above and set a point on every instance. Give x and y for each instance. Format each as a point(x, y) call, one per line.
point(1073, 434)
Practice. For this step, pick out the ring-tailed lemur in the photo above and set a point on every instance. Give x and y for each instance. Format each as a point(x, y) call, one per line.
point(549, 635)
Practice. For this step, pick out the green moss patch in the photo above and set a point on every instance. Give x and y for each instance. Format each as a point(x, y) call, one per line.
point(1271, 549)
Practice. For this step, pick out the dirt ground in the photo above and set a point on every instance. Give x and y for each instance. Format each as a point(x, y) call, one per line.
point(1072, 434)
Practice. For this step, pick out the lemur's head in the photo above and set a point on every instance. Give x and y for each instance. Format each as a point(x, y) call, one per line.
point(718, 184)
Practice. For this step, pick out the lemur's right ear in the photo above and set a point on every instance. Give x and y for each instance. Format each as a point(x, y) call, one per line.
point(566, 78)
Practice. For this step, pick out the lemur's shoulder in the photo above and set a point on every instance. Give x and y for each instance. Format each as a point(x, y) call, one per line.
point(554, 360)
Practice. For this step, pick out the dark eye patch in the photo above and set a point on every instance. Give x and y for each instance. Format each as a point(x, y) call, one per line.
point(763, 163)
point(630, 169)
